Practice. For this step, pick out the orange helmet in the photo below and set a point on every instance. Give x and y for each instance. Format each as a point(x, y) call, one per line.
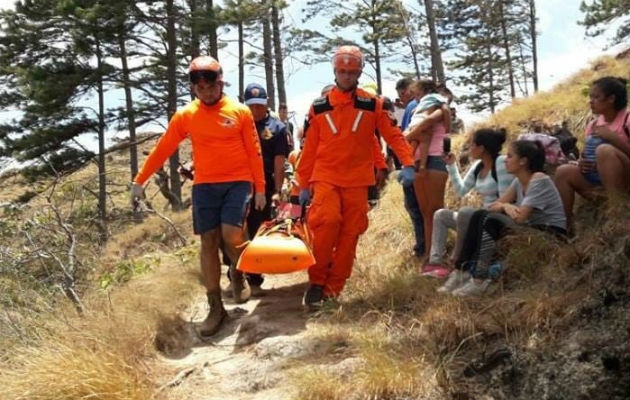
point(205, 67)
point(348, 58)
point(293, 156)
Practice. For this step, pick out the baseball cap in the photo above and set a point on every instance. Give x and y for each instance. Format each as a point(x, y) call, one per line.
point(255, 94)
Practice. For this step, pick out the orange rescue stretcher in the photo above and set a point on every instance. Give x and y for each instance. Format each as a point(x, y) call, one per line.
point(280, 246)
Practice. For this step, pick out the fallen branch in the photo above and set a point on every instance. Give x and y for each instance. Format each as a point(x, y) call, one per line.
point(179, 378)
point(140, 206)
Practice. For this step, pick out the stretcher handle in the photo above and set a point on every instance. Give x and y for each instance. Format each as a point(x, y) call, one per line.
point(303, 213)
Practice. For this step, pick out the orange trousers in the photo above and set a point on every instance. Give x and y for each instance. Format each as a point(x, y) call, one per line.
point(336, 218)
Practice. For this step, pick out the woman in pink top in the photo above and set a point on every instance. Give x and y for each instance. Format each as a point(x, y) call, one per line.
point(431, 173)
point(609, 101)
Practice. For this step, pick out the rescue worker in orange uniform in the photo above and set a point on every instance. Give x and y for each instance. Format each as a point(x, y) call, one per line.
point(337, 164)
point(228, 162)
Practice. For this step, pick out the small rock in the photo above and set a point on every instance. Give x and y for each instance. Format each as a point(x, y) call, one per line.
point(282, 347)
point(345, 367)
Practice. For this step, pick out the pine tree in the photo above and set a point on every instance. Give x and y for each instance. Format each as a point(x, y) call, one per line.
point(437, 67)
point(478, 55)
point(379, 22)
point(162, 83)
point(276, 6)
point(43, 79)
point(171, 74)
point(600, 14)
point(212, 12)
point(240, 13)
point(534, 41)
point(265, 18)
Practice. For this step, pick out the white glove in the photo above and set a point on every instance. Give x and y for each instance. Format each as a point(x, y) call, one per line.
point(136, 192)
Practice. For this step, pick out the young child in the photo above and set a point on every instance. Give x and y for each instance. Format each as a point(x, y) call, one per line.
point(427, 105)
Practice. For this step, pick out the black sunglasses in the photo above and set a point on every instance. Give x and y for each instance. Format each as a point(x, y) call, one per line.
point(208, 76)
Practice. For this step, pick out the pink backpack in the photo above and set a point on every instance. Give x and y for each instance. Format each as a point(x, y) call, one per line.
point(553, 151)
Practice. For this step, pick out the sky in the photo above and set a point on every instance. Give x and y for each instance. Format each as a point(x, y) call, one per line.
point(563, 49)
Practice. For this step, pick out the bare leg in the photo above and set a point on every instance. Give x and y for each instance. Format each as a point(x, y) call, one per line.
point(568, 180)
point(209, 260)
point(430, 192)
point(613, 167)
point(233, 239)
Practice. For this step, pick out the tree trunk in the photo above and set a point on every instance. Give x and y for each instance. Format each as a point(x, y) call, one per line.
point(195, 43)
point(377, 50)
point(212, 34)
point(506, 47)
point(102, 184)
point(490, 78)
point(409, 37)
point(523, 67)
point(277, 46)
point(171, 67)
point(532, 31)
point(267, 55)
point(436, 53)
point(377, 66)
point(241, 62)
point(131, 114)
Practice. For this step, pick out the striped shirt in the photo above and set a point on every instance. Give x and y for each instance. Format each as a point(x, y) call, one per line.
point(486, 186)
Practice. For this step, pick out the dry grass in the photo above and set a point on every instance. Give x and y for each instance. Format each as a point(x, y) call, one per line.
point(410, 341)
point(108, 353)
point(414, 341)
point(567, 101)
point(378, 368)
point(49, 352)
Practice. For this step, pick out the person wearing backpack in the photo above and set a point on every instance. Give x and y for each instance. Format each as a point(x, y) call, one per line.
point(606, 157)
point(487, 175)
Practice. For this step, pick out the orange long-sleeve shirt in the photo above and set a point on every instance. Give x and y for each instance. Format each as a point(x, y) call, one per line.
point(339, 145)
point(225, 146)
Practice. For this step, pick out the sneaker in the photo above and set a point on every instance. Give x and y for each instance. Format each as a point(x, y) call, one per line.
point(456, 279)
point(429, 267)
point(240, 286)
point(216, 315)
point(440, 273)
point(435, 270)
point(474, 287)
point(314, 296)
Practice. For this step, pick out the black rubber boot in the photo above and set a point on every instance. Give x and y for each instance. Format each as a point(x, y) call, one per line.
point(314, 296)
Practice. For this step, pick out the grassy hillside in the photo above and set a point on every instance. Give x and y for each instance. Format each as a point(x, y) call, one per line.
point(566, 102)
point(553, 327)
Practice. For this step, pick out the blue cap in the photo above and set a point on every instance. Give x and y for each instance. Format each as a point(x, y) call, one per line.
point(255, 94)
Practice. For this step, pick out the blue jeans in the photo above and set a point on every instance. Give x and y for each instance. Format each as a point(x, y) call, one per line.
point(412, 207)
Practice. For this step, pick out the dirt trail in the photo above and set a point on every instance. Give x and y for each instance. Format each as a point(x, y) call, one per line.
point(248, 357)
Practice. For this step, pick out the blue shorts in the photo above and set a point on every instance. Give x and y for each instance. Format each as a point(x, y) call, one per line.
point(436, 163)
point(214, 204)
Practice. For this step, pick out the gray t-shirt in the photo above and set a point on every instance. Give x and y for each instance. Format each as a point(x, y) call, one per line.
point(543, 196)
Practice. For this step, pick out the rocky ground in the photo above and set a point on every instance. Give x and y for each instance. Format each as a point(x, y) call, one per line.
point(250, 357)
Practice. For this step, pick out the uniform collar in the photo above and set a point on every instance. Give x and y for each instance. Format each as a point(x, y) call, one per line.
point(336, 96)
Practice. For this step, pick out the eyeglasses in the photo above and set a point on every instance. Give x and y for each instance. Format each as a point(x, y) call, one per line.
point(208, 76)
